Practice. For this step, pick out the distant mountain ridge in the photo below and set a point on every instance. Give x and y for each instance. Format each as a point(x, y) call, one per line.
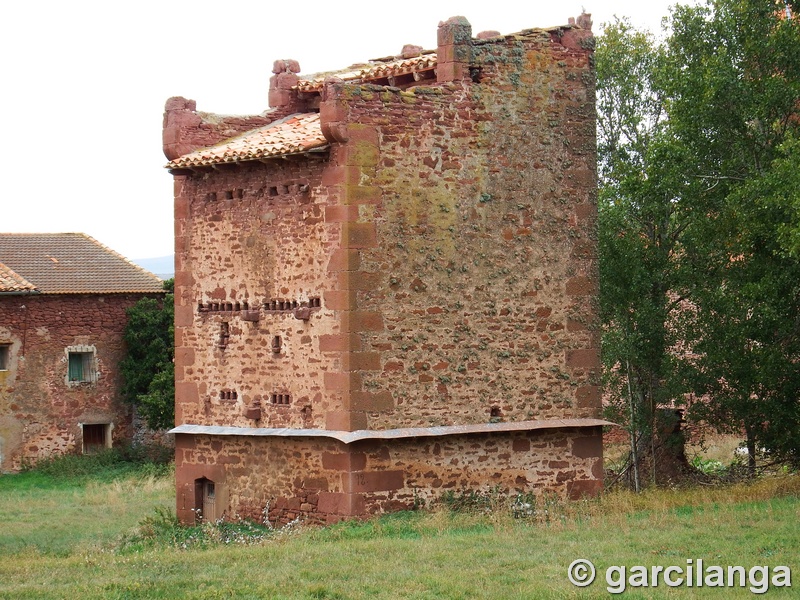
point(161, 266)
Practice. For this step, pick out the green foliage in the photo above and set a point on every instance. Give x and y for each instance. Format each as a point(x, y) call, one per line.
point(778, 187)
point(735, 84)
point(709, 466)
point(423, 554)
point(148, 368)
point(642, 219)
point(158, 404)
point(108, 463)
point(163, 530)
point(470, 500)
point(699, 205)
point(67, 505)
point(79, 542)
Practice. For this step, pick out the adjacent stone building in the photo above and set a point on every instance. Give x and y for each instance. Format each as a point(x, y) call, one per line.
point(63, 299)
point(386, 283)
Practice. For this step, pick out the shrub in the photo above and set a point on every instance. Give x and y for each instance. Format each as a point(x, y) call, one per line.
point(156, 459)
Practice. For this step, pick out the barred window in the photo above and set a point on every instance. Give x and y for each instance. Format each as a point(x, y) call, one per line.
point(81, 366)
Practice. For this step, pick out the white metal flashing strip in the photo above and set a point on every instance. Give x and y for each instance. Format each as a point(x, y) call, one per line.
point(349, 437)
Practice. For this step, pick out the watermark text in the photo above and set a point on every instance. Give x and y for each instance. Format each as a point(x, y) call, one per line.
point(695, 573)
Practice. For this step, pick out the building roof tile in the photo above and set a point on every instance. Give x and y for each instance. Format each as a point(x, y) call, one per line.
point(301, 132)
point(10, 282)
point(295, 134)
point(70, 263)
point(372, 71)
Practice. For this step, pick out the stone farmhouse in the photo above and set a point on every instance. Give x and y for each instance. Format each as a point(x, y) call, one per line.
point(386, 283)
point(63, 298)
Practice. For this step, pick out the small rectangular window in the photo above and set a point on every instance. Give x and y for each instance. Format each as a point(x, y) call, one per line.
point(5, 352)
point(80, 367)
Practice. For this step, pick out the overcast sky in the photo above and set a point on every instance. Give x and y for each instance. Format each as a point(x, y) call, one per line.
point(84, 86)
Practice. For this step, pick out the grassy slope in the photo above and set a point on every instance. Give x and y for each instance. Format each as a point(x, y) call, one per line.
point(44, 516)
point(410, 555)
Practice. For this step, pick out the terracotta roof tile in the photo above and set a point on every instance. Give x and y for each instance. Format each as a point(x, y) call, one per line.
point(372, 71)
point(295, 134)
point(72, 263)
point(11, 282)
point(397, 65)
point(301, 132)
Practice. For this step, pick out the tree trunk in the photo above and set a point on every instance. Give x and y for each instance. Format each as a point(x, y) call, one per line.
point(751, 453)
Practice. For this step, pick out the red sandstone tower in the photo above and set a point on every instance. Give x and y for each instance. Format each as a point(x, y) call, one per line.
point(386, 283)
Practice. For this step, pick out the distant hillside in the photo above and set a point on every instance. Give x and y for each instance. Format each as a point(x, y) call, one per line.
point(162, 266)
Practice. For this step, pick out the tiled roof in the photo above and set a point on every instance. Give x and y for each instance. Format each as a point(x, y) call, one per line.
point(301, 132)
point(72, 263)
point(11, 282)
point(295, 134)
point(372, 71)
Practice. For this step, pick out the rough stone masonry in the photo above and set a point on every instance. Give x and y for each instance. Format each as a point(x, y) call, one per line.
point(386, 283)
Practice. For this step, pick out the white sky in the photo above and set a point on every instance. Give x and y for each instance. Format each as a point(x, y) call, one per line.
point(84, 86)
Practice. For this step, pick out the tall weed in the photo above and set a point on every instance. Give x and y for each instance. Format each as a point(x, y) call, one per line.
point(151, 459)
point(163, 530)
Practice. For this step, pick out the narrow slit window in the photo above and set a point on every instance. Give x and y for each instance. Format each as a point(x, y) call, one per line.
point(281, 399)
point(224, 334)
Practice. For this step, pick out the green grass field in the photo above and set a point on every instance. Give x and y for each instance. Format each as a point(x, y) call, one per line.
point(110, 535)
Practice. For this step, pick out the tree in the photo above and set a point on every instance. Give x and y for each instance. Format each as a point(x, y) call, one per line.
point(748, 319)
point(642, 219)
point(148, 368)
point(780, 187)
point(735, 90)
point(699, 219)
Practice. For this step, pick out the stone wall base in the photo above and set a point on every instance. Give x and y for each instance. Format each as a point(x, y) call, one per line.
point(324, 480)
